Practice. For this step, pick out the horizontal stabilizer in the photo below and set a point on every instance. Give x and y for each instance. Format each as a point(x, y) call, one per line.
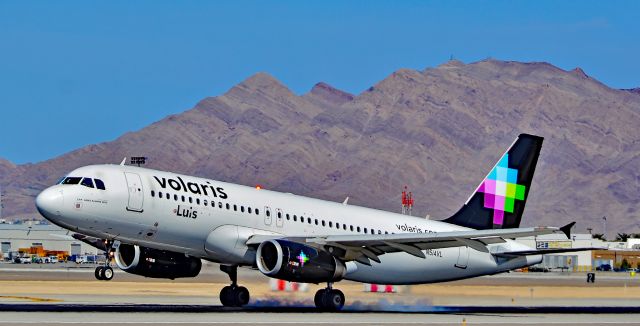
point(511, 254)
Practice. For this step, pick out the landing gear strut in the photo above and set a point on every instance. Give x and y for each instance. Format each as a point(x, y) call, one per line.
point(105, 273)
point(329, 299)
point(233, 295)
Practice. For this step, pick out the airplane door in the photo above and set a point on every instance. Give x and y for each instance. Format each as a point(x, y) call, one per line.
point(279, 218)
point(136, 197)
point(463, 257)
point(267, 215)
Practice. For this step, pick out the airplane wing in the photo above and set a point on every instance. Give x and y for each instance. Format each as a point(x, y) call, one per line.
point(92, 241)
point(365, 247)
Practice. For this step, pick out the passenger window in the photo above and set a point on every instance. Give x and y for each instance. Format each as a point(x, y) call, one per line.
point(198, 201)
point(175, 197)
point(204, 202)
point(183, 199)
point(87, 182)
point(190, 200)
point(99, 184)
point(295, 218)
point(160, 194)
point(379, 232)
point(227, 205)
point(323, 223)
point(279, 214)
point(351, 227)
point(71, 181)
point(316, 221)
point(257, 211)
point(330, 224)
point(344, 226)
point(249, 210)
point(358, 229)
point(309, 220)
point(235, 208)
point(268, 212)
point(153, 193)
point(337, 225)
point(220, 204)
point(242, 209)
point(288, 217)
point(168, 196)
point(385, 232)
point(365, 230)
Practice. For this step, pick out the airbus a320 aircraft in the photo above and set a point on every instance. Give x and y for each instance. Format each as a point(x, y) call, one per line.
point(161, 224)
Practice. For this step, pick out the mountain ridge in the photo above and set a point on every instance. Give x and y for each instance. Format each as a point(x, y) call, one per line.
point(416, 127)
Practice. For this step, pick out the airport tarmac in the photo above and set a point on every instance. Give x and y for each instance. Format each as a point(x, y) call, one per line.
point(68, 294)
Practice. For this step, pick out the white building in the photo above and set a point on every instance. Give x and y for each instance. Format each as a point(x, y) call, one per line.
point(573, 261)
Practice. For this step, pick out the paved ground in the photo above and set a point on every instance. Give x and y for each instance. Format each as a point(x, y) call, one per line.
point(52, 295)
point(260, 318)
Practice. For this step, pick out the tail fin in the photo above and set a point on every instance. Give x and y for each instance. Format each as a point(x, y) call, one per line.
point(499, 200)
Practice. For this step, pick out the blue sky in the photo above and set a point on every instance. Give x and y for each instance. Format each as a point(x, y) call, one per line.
point(77, 73)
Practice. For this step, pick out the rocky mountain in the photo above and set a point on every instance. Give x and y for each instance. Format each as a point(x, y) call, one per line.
point(439, 131)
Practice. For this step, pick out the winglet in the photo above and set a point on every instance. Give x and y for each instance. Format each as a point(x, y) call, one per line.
point(123, 161)
point(567, 229)
point(346, 200)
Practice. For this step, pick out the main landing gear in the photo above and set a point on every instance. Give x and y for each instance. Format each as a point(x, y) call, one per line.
point(105, 273)
point(233, 295)
point(329, 299)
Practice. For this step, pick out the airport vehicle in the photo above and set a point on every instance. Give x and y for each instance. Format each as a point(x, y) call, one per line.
point(22, 260)
point(161, 224)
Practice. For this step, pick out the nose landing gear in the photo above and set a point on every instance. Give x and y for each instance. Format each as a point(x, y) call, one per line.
point(105, 273)
point(233, 295)
point(329, 299)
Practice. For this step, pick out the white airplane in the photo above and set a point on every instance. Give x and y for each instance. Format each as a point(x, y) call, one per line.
point(161, 224)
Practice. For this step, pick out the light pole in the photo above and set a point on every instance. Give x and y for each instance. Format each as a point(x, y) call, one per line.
point(604, 225)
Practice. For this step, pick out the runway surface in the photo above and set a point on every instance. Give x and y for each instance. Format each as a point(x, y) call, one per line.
point(58, 295)
point(145, 315)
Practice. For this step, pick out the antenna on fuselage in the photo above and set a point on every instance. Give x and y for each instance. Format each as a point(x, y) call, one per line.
point(123, 161)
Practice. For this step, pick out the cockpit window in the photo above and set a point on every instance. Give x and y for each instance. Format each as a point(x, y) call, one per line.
point(99, 184)
point(60, 181)
point(71, 181)
point(87, 182)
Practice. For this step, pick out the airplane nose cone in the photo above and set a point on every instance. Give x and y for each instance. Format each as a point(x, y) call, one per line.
point(49, 202)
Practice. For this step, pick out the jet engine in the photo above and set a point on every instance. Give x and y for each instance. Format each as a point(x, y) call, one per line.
point(297, 262)
point(156, 263)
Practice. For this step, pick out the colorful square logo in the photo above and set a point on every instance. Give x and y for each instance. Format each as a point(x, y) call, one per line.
point(501, 190)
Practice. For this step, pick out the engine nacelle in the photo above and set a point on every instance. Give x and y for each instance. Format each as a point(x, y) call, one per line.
point(296, 262)
point(156, 263)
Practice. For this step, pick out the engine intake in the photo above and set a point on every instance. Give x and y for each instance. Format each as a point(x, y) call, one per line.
point(294, 261)
point(156, 263)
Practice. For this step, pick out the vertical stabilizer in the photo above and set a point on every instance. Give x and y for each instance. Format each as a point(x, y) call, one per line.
point(498, 202)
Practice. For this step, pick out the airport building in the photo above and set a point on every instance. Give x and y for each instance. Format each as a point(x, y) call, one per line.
point(585, 261)
point(38, 237)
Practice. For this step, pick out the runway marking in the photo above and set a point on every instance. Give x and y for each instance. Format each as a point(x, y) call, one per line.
point(34, 299)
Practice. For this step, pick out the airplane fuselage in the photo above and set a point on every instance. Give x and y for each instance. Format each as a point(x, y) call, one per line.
point(212, 220)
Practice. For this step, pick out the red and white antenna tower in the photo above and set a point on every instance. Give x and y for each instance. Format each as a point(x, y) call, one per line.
point(407, 201)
